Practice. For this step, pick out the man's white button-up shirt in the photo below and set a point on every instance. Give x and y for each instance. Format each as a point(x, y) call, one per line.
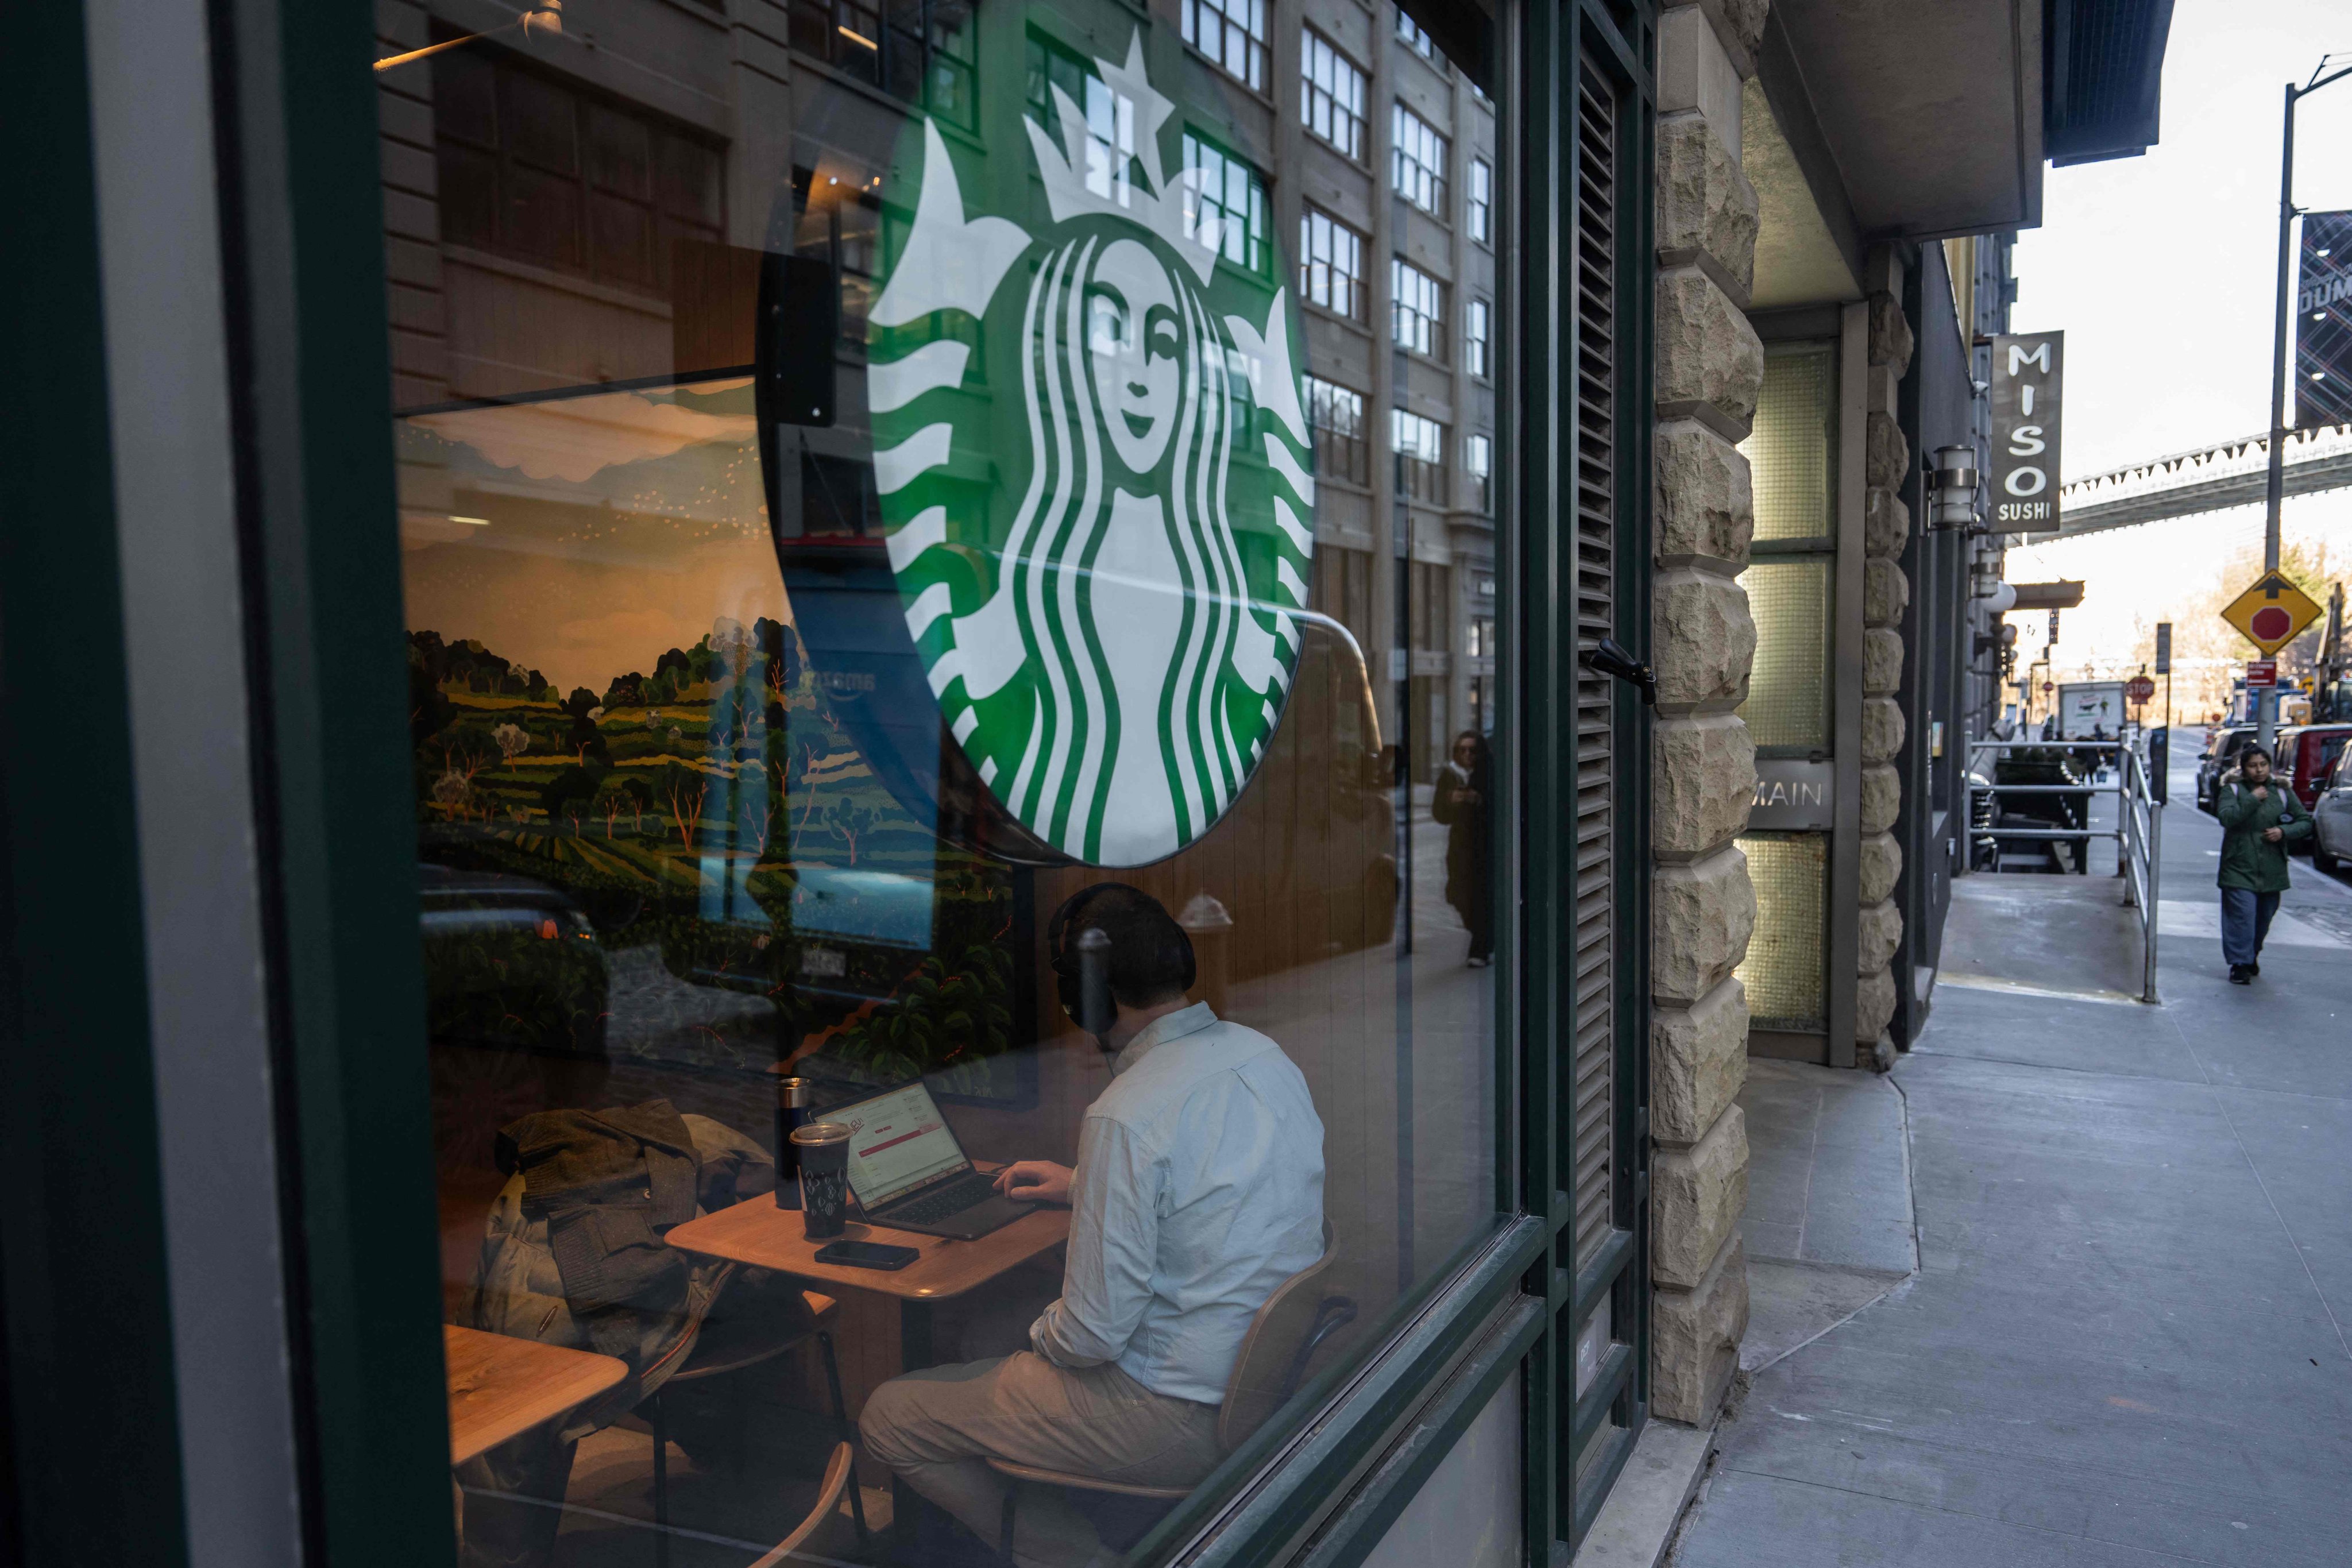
point(1198, 1189)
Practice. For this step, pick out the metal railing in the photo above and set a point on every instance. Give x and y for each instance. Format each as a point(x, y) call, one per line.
point(2138, 832)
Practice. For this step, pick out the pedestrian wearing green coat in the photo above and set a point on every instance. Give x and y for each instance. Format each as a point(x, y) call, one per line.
point(2259, 820)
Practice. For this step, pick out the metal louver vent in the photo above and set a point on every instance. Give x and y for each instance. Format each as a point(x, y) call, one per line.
point(1596, 533)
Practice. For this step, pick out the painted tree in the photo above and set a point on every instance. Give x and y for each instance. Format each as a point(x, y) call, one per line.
point(848, 821)
point(688, 793)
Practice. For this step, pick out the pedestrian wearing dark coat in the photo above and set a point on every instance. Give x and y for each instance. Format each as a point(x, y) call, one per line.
point(1463, 798)
point(2259, 819)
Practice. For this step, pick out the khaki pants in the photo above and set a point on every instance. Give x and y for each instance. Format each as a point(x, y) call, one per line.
point(935, 1428)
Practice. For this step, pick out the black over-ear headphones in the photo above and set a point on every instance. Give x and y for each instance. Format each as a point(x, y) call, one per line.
point(1082, 967)
point(1083, 978)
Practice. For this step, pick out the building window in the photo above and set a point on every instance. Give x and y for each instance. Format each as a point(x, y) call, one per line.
point(1478, 462)
point(1229, 32)
point(1417, 161)
point(1225, 205)
point(1432, 608)
point(1334, 101)
point(1330, 264)
point(840, 223)
point(1477, 328)
point(1420, 447)
point(1343, 590)
point(1791, 442)
point(1410, 35)
point(1110, 115)
point(1478, 211)
point(1337, 417)
point(920, 50)
point(1419, 302)
point(1482, 643)
point(534, 170)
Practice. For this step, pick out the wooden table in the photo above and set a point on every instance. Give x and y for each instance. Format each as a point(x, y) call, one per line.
point(757, 1232)
point(500, 1387)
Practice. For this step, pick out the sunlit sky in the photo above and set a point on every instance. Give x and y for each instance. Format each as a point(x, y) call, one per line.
point(2162, 272)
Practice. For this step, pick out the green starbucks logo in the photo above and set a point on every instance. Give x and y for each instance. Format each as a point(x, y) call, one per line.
point(1096, 472)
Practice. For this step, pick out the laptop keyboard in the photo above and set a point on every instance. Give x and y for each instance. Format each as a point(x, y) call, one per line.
point(952, 1198)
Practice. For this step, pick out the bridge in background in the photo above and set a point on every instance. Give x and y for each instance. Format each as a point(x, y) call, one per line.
point(2233, 473)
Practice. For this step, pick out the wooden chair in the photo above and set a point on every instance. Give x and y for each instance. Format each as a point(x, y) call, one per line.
point(1282, 1341)
point(838, 1480)
point(711, 1351)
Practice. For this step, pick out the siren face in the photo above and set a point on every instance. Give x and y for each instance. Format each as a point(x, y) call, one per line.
point(1138, 374)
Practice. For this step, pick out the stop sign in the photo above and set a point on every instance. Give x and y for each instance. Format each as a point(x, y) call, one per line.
point(2271, 623)
point(2141, 689)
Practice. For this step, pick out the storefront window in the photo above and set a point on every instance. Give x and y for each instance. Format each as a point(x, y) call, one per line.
point(881, 659)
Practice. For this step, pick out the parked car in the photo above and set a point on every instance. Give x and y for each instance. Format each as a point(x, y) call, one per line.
point(2305, 754)
point(2331, 843)
point(516, 989)
point(2219, 756)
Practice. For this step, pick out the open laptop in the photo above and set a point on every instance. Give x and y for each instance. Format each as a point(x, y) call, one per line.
point(907, 1172)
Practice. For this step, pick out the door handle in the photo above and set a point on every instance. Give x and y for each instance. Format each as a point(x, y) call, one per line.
point(1610, 658)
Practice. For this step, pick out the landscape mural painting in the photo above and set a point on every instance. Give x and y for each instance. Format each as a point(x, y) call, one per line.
point(647, 842)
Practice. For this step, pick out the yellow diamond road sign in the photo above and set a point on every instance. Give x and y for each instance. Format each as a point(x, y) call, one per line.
point(2271, 612)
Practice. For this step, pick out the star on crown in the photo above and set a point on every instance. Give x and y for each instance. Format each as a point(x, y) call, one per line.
point(1084, 177)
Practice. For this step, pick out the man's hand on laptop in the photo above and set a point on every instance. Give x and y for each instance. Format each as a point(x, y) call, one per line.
point(1036, 1182)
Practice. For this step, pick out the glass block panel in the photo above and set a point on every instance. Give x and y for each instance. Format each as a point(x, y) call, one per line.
point(1788, 691)
point(1784, 969)
point(1789, 446)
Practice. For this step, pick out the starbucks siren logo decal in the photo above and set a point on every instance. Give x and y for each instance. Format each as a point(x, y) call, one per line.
point(1101, 521)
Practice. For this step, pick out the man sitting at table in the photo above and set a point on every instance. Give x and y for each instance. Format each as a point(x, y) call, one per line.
point(1198, 1190)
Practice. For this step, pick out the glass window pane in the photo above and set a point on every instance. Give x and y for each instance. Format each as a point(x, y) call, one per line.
point(1788, 692)
point(1786, 961)
point(1788, 447)
point(759, 735)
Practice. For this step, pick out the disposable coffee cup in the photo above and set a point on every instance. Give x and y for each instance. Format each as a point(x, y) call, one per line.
point(792, 1114)
point(824, 1151)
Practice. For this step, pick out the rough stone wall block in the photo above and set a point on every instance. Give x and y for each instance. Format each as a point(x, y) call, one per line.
point(1701, 916)
point(1882, 866)
point(1694, 1340)
point(1703, 781)
point(1881, 662)
point(1710, 361)
point(1706, 501)
point(1885, 591)
point(1696, 1196)
point(1873, 1005)
point(1882, 932)
point(1882, 730)
point(1890, 333)
point(1889, 452)
point(1882, 796)
point(1703, 640)
point(1705, 203)
point(1885, 523)
point(1698, 1062)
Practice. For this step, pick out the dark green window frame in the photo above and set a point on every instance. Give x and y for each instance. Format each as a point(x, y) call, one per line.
point(307, 319)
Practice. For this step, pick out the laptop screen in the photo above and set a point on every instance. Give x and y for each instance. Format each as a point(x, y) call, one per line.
point(898, 1141)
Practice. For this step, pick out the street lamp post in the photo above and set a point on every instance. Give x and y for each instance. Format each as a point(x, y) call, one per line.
point(2275, 489)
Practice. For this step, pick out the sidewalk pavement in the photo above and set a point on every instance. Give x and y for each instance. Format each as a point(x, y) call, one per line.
point(2125, 1343)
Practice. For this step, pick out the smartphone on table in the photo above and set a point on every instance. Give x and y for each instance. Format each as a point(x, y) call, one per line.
point(866, 1255)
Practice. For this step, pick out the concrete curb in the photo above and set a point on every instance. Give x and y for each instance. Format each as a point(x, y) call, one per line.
point(1661, 1477)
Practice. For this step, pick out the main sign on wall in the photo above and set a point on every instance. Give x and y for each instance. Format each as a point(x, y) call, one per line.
point(2322, 321)
point(2027, 368)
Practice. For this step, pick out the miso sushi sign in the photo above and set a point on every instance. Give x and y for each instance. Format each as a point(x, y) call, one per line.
point(2026, 371)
